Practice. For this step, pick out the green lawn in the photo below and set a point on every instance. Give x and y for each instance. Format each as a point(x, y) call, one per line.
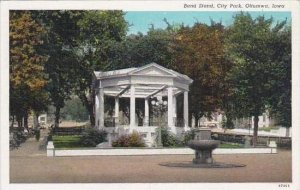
point(230, 145)
point(267, 129)
point(67, 141)
point(73, 141)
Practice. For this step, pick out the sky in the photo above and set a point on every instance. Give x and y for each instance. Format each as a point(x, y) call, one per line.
point(141, 21)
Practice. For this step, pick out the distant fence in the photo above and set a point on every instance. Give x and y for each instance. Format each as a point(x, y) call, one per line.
point(261, 140)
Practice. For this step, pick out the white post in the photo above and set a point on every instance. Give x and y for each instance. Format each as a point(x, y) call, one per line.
point(170, 109)
point(146, 112)
point(101, 106)
point(116, 110)
point(186, 109)
point(50, 149)
point(132, 106)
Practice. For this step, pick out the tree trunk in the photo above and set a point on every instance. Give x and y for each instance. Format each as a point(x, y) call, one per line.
point(36, 120)
point(90, 108)
point(91, 113)
point(19, 120)
point(57, 117)
point(196, 121)
point(255, 130)
point(26, 121)
point(12, 121)
point(19, 123)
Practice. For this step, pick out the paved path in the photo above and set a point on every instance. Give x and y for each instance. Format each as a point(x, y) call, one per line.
point(30, 148)
point(30, 165)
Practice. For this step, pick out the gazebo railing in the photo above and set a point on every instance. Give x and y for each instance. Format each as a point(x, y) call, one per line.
point(111, 122)
point(146, 121)
point(153, 121)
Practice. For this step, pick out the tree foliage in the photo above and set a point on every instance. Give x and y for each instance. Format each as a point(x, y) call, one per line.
point(62, 31)
point(141, 49)
point(74, 110)
point(27, 76)
point(280, 100)
point(251, 45)
point(200, 55)
point(99, 32)
point(242, 69)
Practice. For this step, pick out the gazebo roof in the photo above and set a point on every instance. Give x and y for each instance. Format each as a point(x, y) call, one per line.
point(137, 70)
point(149, 80)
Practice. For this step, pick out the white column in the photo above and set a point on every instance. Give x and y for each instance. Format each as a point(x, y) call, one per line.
point(186, 109)
point(101, 106)
point(175, 109)
point(146, 112)
point(97, 109)
point(116, 110)
point(170, 108)
point(132, 106)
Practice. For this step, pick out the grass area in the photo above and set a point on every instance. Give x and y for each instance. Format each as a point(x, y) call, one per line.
point(267, 129)
point(67, 141)
point(230, 145)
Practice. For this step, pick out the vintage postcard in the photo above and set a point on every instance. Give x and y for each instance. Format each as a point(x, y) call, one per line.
point(150, 94)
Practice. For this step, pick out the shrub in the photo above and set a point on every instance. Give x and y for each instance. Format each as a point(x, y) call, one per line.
point(91, 137)
point(284, 143)
point(131, 140)
point(189, 135)
point(169, 140)
point(49, 138)
point(18, 136)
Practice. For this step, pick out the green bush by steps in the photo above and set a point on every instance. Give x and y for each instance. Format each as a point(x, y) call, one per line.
point(170, 140)
point(91, 137)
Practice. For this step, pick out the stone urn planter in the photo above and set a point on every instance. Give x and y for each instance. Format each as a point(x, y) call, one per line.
point(203, 146)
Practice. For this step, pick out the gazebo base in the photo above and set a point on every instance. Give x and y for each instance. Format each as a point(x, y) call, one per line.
point(148, 133)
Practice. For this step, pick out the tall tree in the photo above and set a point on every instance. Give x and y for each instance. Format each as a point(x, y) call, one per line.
point(27, 77)
point(99, 31)
point(60, 42)
point(155, 46)
point(250, 45)
point(200, 55)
